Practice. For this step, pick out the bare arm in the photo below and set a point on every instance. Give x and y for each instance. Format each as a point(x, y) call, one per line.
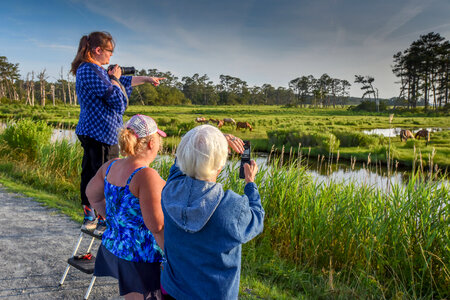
point(138, 80)
point(95, 190)
point(148, 187)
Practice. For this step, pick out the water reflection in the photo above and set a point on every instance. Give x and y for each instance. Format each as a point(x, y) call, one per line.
point(343, 172)
point(359, 174)
point(395, 132)
point(64, 134)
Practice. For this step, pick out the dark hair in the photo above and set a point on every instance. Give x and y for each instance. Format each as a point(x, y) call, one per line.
point(87, 45)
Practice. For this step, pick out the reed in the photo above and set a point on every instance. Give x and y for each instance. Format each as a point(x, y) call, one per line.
point(396, 243)
point(390, 245)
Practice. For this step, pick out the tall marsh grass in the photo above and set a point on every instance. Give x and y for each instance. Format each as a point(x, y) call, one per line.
point(395, 245)
point(391, 245)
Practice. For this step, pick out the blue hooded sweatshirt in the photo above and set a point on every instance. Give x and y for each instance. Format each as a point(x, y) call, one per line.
point(204, 228)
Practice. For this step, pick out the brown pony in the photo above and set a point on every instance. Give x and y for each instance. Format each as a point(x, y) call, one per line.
point(243, 125)
point(214, 121)
point(405, 135)
point(423, 133)
point(200, 120)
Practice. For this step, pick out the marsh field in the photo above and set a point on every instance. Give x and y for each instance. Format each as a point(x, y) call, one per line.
point(315, 131)
point(320, 240)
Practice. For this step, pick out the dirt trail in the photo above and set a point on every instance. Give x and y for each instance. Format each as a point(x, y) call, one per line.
point(35, 243)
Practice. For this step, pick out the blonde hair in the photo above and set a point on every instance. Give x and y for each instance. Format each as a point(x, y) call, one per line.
point(130, 144)
point(202, 152)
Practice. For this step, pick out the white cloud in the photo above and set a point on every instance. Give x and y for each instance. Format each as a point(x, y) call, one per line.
point(409, 11)
point(41, 44)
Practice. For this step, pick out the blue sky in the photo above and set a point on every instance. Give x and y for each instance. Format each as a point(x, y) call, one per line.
point(258, 41)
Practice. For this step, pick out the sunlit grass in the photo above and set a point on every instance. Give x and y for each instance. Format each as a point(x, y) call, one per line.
point(329, 240)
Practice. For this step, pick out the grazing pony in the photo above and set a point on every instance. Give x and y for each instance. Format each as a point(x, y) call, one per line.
point(200, 120)
point(219, 123)
point(243, 125)
point(229, 121)
point(405, 135)
point(423, 133)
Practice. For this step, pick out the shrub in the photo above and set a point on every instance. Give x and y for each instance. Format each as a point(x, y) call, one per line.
point(411, 143)
point(370, 105)
point(26, 136)
point(382, 151)
point(178, 129)
point(292, 138)
point(356, 139)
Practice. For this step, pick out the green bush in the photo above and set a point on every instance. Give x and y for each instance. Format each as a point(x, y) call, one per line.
point(178, 129)
point(356, 139)
point(27, 137)
point(167, 121)
point(382, 151)
point(411, 143)
point(370, 105)
point(292, 138)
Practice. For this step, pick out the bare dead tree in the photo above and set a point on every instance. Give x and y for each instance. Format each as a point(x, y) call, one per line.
point(52, 89)
point(68, 88)
point(62, 86)
point(32, 88)
point(42, 79)
point(28, 89)
point(75, 99)
point(2, 90)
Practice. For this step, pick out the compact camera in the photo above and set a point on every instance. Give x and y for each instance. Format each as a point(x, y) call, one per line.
point(125, 70)
point(245, 159)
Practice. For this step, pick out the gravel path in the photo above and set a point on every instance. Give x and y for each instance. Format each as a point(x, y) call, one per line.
point(35, 243)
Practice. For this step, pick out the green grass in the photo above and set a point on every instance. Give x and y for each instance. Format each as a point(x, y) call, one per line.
point(345, 125)
point(319, 241)
point(61, 204)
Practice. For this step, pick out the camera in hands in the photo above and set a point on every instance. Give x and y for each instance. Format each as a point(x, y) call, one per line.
point(125, 70)
point(245, 159)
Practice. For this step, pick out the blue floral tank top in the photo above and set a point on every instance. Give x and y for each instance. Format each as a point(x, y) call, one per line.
point(126, 235)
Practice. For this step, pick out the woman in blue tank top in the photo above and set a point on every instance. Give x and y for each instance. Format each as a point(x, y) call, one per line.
point(128, 193)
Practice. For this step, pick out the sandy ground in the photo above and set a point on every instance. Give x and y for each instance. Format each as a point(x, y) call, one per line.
point(35, 243)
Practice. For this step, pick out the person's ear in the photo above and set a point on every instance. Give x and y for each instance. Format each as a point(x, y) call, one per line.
point(151, 143)
point(97, 50)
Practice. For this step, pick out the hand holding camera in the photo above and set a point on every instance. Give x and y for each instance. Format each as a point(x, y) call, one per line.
point(112, 69)
point(114, 72)
point(250, 170)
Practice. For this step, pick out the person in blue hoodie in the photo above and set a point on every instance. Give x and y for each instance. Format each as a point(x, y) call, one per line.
point(204, 225)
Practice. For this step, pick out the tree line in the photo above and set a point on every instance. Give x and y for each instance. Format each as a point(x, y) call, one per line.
point(422, 69)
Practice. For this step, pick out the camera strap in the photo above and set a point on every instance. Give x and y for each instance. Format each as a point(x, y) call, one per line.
point(110, 90)
point(122, 88)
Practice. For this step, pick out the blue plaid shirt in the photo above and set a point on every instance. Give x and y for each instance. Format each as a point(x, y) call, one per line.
point(100, 118)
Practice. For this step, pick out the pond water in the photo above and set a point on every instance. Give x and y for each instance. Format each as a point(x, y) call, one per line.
point(344, 171)
point(60, 134)
point(395, 132)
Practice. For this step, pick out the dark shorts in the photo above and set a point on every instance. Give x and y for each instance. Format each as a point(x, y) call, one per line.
point(138, 277)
